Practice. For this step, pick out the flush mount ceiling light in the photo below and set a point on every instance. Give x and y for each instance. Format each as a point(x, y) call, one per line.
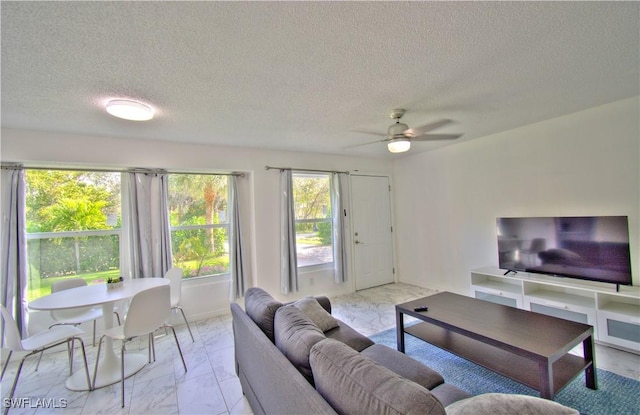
point(399, 145)
point(129, 110)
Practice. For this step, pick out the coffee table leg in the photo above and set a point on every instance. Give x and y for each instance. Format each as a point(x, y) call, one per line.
point(545, 371)
point(591, 379)
point(400, 331)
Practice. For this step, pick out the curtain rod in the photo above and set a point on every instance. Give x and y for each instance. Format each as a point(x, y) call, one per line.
point(310, 170)
point(114, 170)
point(11, 166)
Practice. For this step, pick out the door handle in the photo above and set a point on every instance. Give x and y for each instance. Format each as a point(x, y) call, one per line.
point(358, 242)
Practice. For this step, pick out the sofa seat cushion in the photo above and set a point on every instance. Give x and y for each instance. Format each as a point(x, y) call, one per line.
point(312, 309)
point(295, 334)
point(508, 404)
point(354, 384)
point(345, 334)
point(403, 365)
point(261, 307)
point(448, 394)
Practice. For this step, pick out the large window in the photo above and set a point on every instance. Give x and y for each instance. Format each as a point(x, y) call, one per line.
point(198, 211)
point(312, 199)
point(73, 227)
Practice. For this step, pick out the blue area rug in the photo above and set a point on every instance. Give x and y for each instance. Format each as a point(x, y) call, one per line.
point(615, 395)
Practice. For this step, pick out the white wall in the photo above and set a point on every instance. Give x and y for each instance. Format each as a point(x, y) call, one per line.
point(447, 200)
point(259, 190)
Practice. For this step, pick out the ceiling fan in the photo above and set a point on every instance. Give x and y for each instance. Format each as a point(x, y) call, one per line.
point(399, 136)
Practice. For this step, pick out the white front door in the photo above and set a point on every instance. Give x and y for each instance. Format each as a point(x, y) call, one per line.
point(373, 251)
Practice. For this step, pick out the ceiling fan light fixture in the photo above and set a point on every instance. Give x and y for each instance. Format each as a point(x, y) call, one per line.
point(129, 110)
point(397, 129)
point(399, 145)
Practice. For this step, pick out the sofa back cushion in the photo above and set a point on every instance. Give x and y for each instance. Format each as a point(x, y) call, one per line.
point(349, 336)
point(404, 365)
point(355, 384)
point(295, 334)
point(267, 376)
point(261, 307)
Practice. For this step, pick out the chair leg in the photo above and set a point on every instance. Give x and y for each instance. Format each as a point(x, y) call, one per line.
point(6, 364)
point(15, 383)
point(150, 348)
point(178, 344)
point(94, 333)
point(122, 371)
point(95, 370)
point(153, 345)
point(185, 320)
point(119, 324)
point(39, 359)
point(70, 353)
point(86, 365)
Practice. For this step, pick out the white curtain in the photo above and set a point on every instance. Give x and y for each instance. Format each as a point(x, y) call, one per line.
point(146, 232)
point(236, 250)
point(13, 283)
point(288, 255)
point(338, 211)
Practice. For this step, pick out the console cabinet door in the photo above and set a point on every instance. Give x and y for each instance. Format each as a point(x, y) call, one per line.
point(619, 329)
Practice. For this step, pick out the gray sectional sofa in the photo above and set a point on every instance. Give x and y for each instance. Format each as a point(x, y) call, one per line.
point(298, 359)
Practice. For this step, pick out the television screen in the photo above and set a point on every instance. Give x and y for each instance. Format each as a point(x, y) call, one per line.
point(592, 248)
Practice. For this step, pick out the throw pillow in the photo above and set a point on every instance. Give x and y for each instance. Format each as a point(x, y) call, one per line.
point(508, 404)
point(355, 384)
point(261, 307)
point(295, 334)
point(316, 313)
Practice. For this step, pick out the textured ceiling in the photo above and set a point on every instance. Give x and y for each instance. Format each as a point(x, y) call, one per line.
point(303, 75)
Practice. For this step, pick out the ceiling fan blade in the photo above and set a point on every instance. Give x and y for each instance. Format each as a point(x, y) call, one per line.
point(370, 132)
point(418, 131)
point(436, 137)
point(365, 144)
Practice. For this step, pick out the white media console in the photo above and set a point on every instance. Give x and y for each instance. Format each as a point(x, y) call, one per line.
point(614, 315)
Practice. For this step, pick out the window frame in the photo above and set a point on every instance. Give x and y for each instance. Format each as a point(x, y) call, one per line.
point(227, 226)
point(119, 232)
point(304, 269)
point(52, 235)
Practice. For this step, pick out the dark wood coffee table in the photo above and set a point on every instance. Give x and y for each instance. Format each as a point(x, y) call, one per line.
point(527, 347)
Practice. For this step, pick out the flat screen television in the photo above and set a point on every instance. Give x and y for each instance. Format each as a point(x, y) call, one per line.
point(592, 248)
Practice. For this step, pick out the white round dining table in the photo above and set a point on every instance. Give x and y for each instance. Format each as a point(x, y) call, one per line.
point(109, 369)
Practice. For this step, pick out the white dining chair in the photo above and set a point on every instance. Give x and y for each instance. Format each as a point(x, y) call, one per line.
point(74, 316)
point(148, 311)
point(174, 275)
point(38, 343)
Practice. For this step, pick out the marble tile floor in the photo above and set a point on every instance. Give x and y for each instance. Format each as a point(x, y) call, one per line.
point(210, 385)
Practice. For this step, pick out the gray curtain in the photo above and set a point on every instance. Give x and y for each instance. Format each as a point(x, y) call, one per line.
point(288, 255)
point(146, 232)
point(13, 283)
point(338, 211)
point(236, 251)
